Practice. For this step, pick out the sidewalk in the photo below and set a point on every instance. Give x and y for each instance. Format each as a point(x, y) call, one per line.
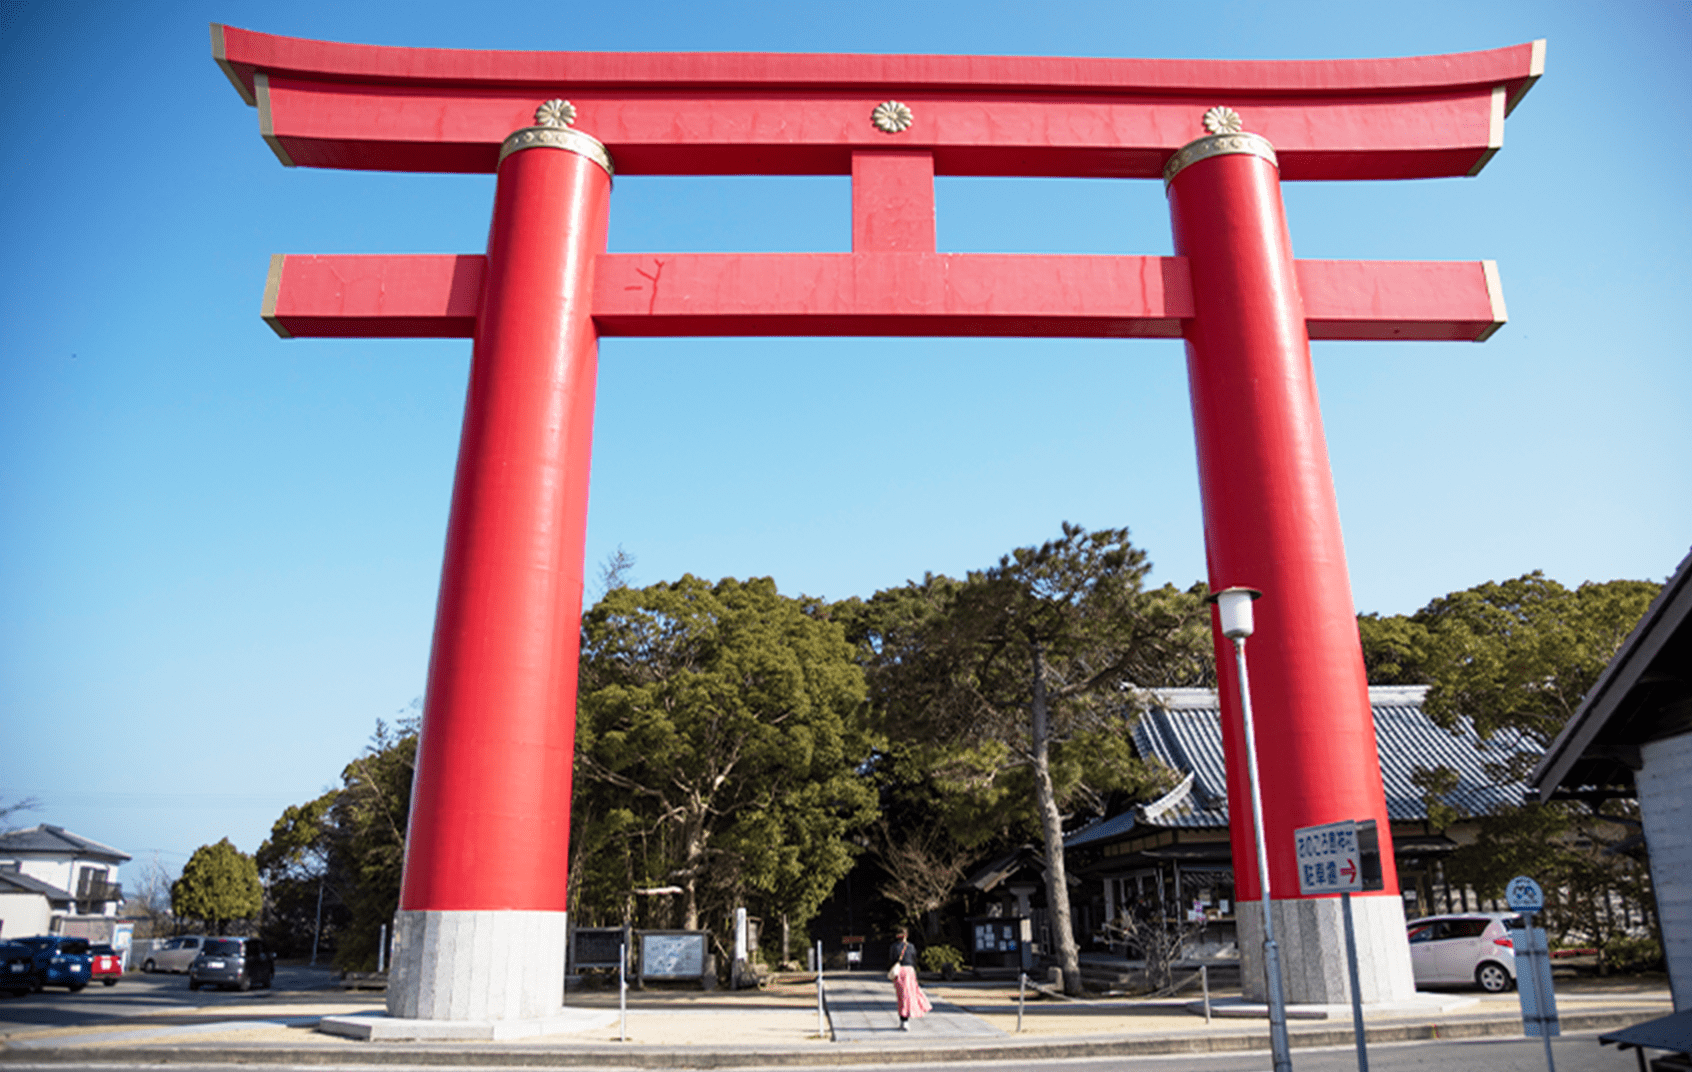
point(778, 1027)
point(861, 1008)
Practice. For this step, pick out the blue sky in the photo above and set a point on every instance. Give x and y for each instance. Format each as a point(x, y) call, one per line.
point(219, 550)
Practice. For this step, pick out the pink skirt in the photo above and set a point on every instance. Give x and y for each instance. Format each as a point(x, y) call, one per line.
point(912, 1001)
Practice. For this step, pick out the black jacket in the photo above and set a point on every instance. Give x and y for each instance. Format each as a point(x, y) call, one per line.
point(909, 957)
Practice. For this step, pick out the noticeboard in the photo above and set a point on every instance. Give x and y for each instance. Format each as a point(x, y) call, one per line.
point(672, 954)
point(597, 947)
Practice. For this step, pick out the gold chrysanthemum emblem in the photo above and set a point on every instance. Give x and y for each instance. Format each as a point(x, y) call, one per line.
point(892, 117)
point(1223, 120)
point(555, 113)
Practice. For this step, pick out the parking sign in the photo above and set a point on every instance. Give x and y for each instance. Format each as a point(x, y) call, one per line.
point(1330, 860)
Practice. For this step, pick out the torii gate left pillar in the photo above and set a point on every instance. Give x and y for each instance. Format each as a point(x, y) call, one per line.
point(482, 909)
point(481, 934)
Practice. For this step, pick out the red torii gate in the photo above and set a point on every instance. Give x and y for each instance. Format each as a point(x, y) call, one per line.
point(481, 928)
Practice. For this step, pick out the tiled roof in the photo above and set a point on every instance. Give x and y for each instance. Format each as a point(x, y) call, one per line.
point(50, 839)
point(1183, 728)
point(17, 882)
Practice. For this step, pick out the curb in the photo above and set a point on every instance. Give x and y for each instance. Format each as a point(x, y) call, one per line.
point(842, 1054)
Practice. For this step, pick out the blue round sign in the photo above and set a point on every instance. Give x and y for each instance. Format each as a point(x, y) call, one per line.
point(1524, 895)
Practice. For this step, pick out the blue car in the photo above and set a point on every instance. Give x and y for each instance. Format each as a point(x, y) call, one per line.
point(61, 961)
point(18, 971)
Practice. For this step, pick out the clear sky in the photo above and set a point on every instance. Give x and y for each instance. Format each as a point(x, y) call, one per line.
point(219, 550)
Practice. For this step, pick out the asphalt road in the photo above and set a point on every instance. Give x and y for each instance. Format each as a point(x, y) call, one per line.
point(138, 995)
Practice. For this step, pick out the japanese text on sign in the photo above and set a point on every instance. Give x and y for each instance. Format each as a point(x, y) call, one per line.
point(1329, 858)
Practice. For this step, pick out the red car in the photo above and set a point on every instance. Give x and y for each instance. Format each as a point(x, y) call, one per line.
point(108, 964)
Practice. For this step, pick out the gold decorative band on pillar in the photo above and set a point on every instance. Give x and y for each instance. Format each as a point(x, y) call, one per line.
point(1234, 142)
point(552, 130)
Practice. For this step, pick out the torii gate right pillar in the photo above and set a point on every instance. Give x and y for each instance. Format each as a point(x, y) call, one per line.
point(1271, 522)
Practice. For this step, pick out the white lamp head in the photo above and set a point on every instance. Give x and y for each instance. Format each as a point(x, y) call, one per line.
point(1235, 607)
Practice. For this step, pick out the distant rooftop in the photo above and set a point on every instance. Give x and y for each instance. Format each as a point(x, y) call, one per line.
point(18, 882)
point(48, 839)
point(1183, 728)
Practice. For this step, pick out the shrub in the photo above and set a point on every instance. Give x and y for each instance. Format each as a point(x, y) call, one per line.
point(1633, 954)
point(940, 957)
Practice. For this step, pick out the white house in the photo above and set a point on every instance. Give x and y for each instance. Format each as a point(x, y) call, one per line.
point(49, 876)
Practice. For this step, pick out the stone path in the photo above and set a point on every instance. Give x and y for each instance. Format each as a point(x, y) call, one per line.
point(862, 1008)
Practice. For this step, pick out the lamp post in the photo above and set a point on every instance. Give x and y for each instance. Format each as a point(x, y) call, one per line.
point(1234, 607)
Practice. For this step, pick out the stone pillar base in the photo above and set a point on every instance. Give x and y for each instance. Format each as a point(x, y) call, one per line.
point(379, 1028)
point(1311, 934)
point(477, 966)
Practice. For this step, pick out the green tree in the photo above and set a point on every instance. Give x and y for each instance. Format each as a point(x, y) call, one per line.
point(351, 841)
point(1518, 657)
point(718, 742)
point(1589, 861)
point(1521, 654)
point(1020, 677)
point(302, 887)
point(219, 884)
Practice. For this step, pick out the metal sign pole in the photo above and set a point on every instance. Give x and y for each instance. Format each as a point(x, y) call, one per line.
point(623, 990)
point(1279, 1045)
point(822, 1023)
point(1533, 986)
point(1356, 984)
point(1533, 965)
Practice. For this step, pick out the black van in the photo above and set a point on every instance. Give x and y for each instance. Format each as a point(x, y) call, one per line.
point(238, 962)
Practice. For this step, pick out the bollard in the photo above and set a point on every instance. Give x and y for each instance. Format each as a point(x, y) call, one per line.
point(623, 990)
point(1021, 991)
point(822, 1017)
point(382, 950)
point(1204, 979)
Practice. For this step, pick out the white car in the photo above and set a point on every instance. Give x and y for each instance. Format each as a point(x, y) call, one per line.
point(174, 955)
point(1473, 947)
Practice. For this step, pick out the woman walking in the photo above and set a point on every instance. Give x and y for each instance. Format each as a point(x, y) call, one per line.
point(912, 1001)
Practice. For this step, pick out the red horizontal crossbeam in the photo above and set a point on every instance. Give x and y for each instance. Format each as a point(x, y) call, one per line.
point(880, 294)
point(325, 104)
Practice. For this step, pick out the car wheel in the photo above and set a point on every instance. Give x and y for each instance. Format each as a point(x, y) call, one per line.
point(75, 987)
point(149, 967)
point(193, 983)
point(244, 984)
point(109, 982)
point(1492, 978)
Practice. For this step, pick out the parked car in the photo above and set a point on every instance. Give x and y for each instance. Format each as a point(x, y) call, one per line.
point(241, 963)
point(1472, 947)
point(176, 955)
point(61, 961)
point(18, 971)
point(107, 964)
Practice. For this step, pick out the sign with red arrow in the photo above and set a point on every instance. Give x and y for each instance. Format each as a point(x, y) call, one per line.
point(1328, 857)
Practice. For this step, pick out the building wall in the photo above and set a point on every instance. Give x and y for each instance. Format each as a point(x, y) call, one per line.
point(23, 915)
point(1665, 801)
point(55, 871)
point(65, 871)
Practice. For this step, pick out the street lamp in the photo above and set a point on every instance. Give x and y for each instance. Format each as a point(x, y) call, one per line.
point(1234, 607)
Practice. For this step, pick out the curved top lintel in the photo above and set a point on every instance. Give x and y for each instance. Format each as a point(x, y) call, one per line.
point(242, 53)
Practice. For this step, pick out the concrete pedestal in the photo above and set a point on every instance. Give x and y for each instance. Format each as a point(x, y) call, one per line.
point(1311, 934)
point(477, 966)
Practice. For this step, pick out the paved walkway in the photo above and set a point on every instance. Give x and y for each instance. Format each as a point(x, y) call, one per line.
point(862, 1008)
point(973, 1022)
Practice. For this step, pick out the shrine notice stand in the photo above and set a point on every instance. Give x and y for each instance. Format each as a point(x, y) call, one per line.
point(481, 925)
